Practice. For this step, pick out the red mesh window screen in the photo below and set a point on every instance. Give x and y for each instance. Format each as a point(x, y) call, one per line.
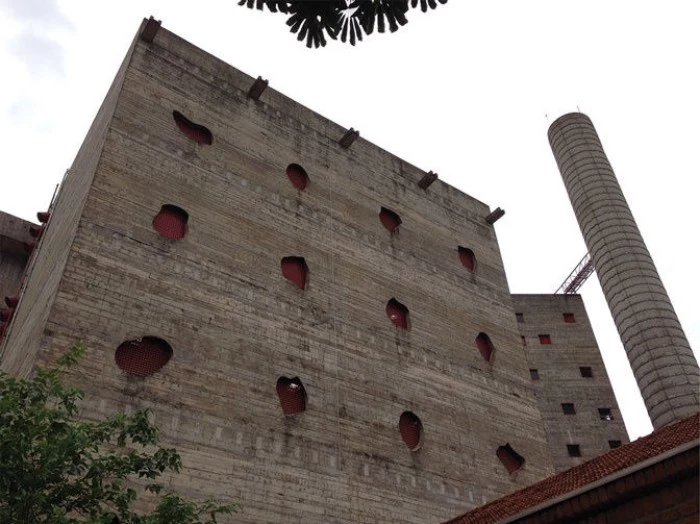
point(545, 339)
point(297, 176)
point(466, 256)
point(411, 430)
point(171, 222)
point(143, 357)
point(569, 318)
point(485, 346)
point(295, 270)
point(292, 395)
point(510, 459)
point(36, 231)
point(6, 315)
point(196, 132)
point(397, 313)
point(389, 219)
point(43, 216)
point(12, 301)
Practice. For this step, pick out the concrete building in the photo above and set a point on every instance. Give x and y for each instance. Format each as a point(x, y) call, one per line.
point(581, 416)
point(324, 331)
point(320, 337)
point(14, 252)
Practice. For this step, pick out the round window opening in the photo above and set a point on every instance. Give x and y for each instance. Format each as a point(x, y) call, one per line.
point(411, 429)
point(143, 357)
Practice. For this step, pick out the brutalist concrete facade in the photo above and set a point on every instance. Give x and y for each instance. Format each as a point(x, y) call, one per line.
point(14, 233)
point(104, 275)
point(662, 361)
point(578, 405)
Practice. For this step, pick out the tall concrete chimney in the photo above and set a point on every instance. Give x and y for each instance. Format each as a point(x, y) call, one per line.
point(658, 350)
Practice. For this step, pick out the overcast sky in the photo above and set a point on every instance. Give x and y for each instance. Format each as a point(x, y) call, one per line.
point(468, 91)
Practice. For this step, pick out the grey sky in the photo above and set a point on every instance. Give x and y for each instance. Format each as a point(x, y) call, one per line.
point(467, 91)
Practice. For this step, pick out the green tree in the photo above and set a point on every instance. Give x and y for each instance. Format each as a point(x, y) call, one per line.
point(314, 20)
point(56, 468)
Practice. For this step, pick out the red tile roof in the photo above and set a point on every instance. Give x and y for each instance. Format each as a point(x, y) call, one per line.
point(658, 442)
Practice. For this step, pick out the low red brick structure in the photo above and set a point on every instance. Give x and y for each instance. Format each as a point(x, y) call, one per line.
point(651, 480)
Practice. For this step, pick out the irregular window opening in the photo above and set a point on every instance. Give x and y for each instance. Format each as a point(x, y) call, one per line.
point(297, 176)
point(545, 339)
point(295, 270)
point(171, 222)
point(574, 450)
point(523, 340)
point(605, 413)
point(36, 231)
point(510, 458)
point(534, 374)
point(569, 318)
point(196, 132)
point(292, 395)
point(485, 346)
point(519, 317)
point(397, 313)
point(411, 429)
point(568, 408)
point(389, 219)
point(466, 256)
point(614, 443)
point(586, 371)
point(143, 357)
point(12, 301)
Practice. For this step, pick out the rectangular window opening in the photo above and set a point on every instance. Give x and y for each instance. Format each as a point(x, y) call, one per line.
point(614, 443)
point(568, 408)
point(545, 339)
point(574, 450)
point(519, 317)
point(586, 371)
point(605, 413)
point(569, 318)
point(534, 374)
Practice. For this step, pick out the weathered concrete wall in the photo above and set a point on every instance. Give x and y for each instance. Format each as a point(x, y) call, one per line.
point(236, 325)
point(13, 256)
point(573, 345)
point(663, 363)
point(20, 347)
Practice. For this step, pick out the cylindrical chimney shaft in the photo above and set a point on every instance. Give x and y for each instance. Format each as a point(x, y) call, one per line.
point(663, 363)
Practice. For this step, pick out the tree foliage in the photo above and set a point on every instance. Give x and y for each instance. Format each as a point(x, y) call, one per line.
point(56, 468)
point(314, 20)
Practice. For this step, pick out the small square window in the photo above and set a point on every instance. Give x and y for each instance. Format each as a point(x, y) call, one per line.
point(545, 339)
point(519, 317)
point(614, 443)
point(523, 340)
point(534, 374)
point(605, 413)
point(586, 371)
point(574, 450)
point(569, 318)
point(568, 408)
